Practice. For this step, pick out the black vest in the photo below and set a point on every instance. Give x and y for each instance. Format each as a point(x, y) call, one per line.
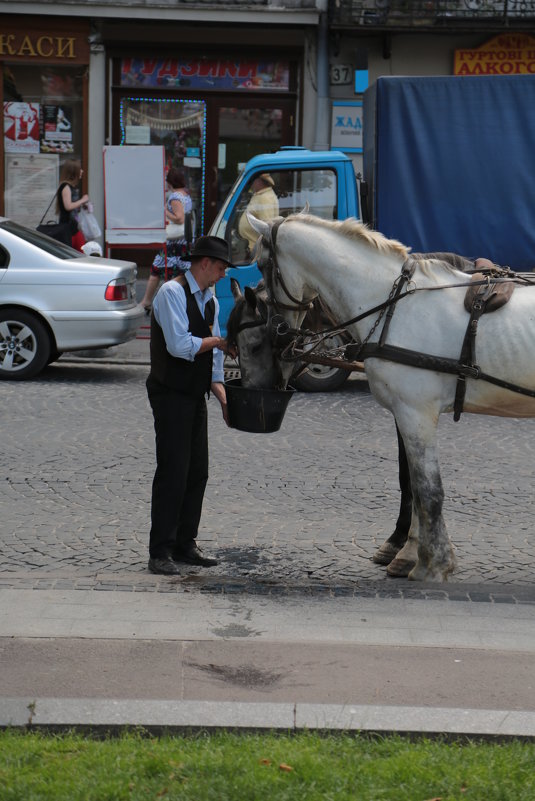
point(189, 378)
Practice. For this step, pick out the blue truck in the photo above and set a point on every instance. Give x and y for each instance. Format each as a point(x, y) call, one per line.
point(448, 165)
point(327, 181)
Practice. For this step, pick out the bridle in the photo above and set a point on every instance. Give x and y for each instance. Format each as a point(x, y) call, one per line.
point(272, 275)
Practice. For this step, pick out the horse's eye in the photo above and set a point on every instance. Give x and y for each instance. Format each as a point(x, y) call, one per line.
point(256, 349)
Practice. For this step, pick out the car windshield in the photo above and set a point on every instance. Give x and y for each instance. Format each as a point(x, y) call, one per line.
point(40, 240)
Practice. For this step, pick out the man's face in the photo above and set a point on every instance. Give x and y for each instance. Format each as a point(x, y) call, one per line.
point(215, 270)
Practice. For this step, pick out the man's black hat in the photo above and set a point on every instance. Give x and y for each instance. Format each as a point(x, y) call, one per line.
point(212, 246)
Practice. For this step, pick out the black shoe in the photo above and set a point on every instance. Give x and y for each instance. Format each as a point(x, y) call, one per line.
point(192, 555)
point(164, 565)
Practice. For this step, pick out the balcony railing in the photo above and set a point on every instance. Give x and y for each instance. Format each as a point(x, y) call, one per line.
point(403, 14)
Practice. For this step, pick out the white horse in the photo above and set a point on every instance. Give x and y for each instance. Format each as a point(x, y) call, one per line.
point(354, 270)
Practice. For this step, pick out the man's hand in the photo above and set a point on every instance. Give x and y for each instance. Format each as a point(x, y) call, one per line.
point(230, 350)
point(219, 391)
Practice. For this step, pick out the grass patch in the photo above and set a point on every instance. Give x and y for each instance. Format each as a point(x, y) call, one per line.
point(226, 766)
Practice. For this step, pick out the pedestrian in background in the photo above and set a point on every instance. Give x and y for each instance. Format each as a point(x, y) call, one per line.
point(264, 205)
point(174, 259)
point(68, 199)
point(186, 352)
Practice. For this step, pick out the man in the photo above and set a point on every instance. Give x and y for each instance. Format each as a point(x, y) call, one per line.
point(264, 205)
point(186, 362)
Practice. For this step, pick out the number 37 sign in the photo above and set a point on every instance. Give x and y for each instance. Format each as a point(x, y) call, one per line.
point(346, 126)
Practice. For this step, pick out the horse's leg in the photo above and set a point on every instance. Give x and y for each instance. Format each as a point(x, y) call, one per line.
point(406, 558)
point(390, 547)
point(435, 553)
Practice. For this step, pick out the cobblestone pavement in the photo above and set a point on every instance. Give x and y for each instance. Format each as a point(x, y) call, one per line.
point(300, 510)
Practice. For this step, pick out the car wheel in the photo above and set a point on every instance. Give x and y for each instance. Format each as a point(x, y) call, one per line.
point(24, 345)
point(53, 356)
point(320, 377)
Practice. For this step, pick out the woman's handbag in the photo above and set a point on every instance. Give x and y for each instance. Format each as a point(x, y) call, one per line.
point(61, 232)
point(174, 230)
point(88, 225)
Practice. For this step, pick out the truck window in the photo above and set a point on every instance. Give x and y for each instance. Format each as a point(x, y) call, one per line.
point(279, 193)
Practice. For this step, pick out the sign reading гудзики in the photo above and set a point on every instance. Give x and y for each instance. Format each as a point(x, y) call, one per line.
point(346, 126)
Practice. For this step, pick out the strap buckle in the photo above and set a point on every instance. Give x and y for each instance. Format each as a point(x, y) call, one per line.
point(469, 371)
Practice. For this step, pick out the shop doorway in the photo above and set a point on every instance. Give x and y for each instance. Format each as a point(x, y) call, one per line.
point(244, 129)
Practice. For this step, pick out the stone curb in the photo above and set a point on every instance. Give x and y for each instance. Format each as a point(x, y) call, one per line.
point(98, 714)
point(401, 589)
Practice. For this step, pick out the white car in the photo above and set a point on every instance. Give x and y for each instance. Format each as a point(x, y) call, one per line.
point(55, 299)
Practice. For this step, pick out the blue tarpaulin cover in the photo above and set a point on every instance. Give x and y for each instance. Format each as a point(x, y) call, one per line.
point(451, 164)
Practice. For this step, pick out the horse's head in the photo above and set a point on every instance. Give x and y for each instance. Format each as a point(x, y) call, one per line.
point(287, 295)
point(249, 330)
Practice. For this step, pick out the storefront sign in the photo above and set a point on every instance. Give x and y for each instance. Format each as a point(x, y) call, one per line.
point(58, 41)
point(507, 54)
point(346, 126)
point(206, 74)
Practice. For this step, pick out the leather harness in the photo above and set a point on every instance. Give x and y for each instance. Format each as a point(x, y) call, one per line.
point(487, 291)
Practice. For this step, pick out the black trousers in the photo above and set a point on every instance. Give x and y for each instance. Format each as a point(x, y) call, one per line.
point(180, 424)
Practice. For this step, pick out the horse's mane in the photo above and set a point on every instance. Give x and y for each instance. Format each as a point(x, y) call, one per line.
point(354, 229)
point(429, 264)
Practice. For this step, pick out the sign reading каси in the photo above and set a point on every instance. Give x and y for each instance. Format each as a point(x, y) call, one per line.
point(58, 41)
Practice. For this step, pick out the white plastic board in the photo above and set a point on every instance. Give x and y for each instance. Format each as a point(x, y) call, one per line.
point(134, 194)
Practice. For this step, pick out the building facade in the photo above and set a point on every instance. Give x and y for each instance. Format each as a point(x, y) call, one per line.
point(217, 82)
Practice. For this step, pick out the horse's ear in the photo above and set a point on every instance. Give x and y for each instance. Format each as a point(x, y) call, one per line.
point(262, 307)
point(306, 209)
point(236, 289)
point(259, 226)
point(250, 297)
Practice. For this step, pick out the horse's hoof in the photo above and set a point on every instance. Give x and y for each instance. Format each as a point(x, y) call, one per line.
point(385, 554)
point(400, 568)
point(437, 575)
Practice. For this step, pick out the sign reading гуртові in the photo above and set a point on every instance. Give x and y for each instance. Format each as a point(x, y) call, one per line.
point(507, 54)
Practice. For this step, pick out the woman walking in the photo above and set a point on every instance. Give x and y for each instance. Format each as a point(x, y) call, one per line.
point(178, 205)
point(69, 200)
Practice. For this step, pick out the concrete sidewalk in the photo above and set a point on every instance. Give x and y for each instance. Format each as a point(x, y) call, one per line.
point(174, 660)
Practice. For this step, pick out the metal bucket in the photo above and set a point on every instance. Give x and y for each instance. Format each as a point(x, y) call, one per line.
point(259, 411)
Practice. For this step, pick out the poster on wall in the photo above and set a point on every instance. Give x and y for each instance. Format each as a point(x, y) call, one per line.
point(57, 129)
point(34, 176)
point(21, 127)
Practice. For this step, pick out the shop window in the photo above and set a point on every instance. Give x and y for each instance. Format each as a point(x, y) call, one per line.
point(178, 125)
point(244, 133)
point(43, 127)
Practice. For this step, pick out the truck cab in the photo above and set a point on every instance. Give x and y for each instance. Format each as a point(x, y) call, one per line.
point(326, 180)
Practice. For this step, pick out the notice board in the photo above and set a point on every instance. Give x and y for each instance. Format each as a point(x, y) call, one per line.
point(134, 194)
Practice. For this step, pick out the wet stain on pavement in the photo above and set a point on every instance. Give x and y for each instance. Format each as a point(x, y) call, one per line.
point(242, 676)
point(235, 630)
